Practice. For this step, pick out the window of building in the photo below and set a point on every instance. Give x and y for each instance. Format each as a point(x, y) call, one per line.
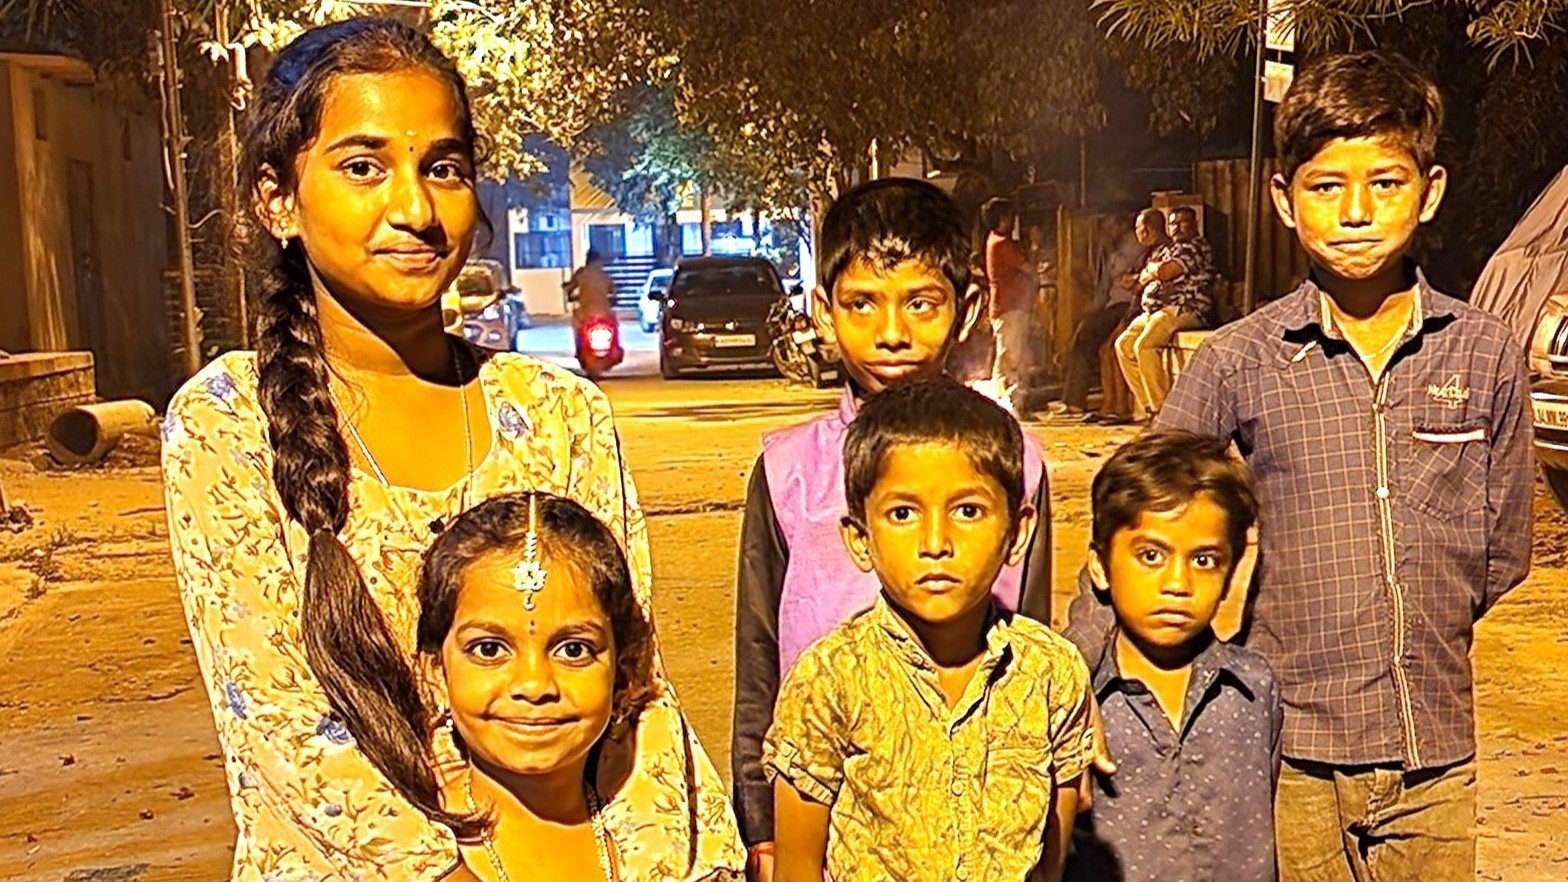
point(543, 250)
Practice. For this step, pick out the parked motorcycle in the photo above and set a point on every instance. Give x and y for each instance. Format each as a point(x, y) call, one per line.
point(797, 350)
point(599, 345)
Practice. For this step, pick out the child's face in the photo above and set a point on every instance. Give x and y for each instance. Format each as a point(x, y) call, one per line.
point(531, 691)
point(384, 205)
point(1356, 205)
point(938, 532)
point(1169, 572)
point(896, 325)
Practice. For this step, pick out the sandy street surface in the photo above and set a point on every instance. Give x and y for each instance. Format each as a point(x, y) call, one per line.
point(109, 769)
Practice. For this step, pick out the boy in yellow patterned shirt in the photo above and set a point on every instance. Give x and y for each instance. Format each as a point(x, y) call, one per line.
point(935, 736)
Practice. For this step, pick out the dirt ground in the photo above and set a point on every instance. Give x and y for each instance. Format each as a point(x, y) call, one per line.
point(109, 769)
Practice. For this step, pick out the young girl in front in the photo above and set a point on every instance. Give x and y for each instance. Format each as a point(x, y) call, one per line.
point(529, 630)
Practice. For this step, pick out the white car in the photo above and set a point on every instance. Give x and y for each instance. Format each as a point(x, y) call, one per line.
point(648, 307)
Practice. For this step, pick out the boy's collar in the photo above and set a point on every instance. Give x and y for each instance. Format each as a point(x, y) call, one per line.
point(1308, 308)
point(1217, 658)
point(996, 636)
point(848, 405)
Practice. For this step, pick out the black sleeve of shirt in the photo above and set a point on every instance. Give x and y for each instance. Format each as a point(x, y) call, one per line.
point(1036, 585)
point(759, 584)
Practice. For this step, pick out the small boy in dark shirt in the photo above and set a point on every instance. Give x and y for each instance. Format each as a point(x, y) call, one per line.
point(1193, 722)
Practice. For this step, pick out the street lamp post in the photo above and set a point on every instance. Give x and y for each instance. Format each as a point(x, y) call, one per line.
point(1255, 167)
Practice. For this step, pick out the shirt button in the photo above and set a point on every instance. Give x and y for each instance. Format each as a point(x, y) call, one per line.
point(963, 870)
point(1382, 493)
point(958, 787)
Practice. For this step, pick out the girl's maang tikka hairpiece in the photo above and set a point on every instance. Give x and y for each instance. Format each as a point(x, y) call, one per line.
point(528, 576)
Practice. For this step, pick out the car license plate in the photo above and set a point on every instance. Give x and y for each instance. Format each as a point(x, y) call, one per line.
point(734, 340)
point(1551, 413)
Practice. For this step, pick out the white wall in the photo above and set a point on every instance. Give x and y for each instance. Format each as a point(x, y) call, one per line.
point(541, 289)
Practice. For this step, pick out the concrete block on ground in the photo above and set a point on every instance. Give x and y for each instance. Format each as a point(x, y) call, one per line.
point(36, 387)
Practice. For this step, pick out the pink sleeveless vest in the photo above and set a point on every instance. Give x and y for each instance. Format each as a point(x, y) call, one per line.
point(822, 586)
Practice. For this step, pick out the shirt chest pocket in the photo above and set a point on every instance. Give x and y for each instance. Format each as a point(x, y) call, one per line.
point(1019, 776)
point(1445, 471)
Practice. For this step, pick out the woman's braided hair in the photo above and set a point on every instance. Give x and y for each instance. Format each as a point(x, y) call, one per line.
point(369, 684)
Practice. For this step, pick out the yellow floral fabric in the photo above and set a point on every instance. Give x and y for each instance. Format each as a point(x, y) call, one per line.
point(307, 804)
point(918, 791)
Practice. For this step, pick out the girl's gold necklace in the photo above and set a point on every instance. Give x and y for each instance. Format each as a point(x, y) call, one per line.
point(601, 834)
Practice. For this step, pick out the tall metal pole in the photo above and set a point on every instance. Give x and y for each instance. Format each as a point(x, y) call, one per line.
point(174, 141)
point(228, 163)
point(1255, 166)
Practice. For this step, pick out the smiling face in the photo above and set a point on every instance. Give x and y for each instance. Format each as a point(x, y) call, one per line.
point(895, 325)
point(1169, 571)
point(384, 203)
point(937, 532)
point(531, 691)
point(1356, 204)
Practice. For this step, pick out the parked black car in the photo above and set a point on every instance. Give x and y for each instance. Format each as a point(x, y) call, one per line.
point(715, 316)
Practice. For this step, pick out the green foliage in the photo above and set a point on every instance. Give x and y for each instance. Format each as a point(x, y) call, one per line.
point(1502, 65)
point(1501, 28)
point(642, 157)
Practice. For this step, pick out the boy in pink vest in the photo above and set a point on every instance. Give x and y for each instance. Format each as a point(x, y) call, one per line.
point(894, 293)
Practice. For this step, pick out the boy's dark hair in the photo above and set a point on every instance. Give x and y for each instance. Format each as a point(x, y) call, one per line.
point(1359, 95)
point(1185, 210)
point(888, 221)
point(939, 411)
point(1163, 471)
point(995, 211)
point(594, 256)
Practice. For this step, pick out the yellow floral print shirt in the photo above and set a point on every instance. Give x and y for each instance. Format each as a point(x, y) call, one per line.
point(307, 804)
point(918, 791)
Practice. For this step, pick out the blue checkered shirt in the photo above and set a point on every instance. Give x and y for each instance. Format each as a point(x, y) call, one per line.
point(1393, 515)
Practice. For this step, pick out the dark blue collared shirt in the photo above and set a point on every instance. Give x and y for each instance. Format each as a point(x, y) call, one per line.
point(1190, 806)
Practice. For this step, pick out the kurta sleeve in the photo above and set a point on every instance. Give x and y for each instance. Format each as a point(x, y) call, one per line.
point(759, 585)
point(307, 803)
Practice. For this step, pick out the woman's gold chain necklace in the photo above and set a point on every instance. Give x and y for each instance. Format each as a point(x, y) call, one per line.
point(601, 835)
point(468, 440)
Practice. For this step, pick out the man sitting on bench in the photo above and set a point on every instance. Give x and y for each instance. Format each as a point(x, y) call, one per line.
point(1176, 297)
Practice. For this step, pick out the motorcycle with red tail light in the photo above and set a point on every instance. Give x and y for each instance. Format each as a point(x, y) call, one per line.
point(599, 345)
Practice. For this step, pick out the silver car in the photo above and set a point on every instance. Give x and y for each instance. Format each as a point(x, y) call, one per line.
point(488, 311)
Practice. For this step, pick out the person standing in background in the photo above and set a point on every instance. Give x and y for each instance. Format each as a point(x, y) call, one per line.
point(1012, 295)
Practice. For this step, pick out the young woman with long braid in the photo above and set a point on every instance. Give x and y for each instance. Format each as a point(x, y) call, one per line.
point(305, 480)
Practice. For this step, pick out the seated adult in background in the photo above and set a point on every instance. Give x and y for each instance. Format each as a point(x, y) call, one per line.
point(1175, 298)
point(1119, 256)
